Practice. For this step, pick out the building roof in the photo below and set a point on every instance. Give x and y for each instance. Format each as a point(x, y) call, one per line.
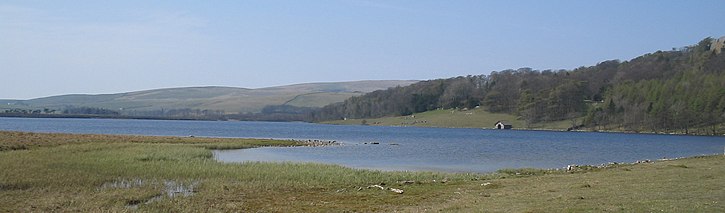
point(502, 122)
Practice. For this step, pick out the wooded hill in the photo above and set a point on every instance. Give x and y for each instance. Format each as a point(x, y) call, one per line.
point(664, 91)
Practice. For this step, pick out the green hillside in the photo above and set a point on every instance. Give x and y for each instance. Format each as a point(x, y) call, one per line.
point(226, 99)
point(476, 118)
point(675, 91)
point(318, 99)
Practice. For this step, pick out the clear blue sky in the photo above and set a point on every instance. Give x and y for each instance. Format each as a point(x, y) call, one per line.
point(61, 47)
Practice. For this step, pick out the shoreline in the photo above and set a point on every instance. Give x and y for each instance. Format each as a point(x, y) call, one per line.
point(533, 129)
point(281, 143)
point(306, 143)
point(342, 124)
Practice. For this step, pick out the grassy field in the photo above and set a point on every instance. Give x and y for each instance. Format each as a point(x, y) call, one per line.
point(65, 172)
point(476, 118)
point(320, 99)
point(480, 118)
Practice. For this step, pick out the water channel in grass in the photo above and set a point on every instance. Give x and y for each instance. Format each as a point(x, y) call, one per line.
point(402, 148)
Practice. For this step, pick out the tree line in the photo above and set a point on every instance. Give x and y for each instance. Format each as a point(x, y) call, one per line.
point(664, 91)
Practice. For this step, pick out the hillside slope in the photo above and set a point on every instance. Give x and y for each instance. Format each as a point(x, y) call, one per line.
point(475, 118)
point(227, 99)
point(681, 91)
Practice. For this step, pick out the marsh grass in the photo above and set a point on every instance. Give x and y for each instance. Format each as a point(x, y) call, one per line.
point(27, 140)
point(89, 173)
point(523, 172)
point(72, 172)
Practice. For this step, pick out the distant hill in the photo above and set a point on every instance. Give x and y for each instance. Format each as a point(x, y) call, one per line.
point(227, 99)
point(7, 101)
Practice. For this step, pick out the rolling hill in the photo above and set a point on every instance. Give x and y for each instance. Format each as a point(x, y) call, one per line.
point(227, 99)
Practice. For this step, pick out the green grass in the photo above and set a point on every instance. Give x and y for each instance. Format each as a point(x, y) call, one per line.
point(28, 140)
point(476, 118)
point(90, 173)
point(656, 187)
point(320, 99)
point(67, 172)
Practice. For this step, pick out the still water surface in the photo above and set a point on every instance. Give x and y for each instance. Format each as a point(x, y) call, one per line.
point(403, 148)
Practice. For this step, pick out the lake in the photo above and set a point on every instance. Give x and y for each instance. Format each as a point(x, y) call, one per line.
point(402, 148)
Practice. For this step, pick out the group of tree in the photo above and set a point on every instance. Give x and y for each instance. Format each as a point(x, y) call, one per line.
point(268, 113)
point(29, 111)
point(89, 111)
point(275, 113)
point(664, 91)
point(85, 111)
point(180, 113)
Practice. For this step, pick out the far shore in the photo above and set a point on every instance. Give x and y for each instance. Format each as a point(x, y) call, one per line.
point(340, 122)
point(536, 129)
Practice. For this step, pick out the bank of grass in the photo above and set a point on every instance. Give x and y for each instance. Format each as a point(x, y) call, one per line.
point(475, 118)
point(64, 172)
point(685, 185)
point(27, 140)
point(480, 118)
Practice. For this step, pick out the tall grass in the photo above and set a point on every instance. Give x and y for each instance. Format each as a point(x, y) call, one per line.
point(77, 167)
point(27, 140)
point(91, 173)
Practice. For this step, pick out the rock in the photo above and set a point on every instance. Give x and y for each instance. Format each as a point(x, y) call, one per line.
point(643, 161)
point(399, 191)
point(376, 186)
point(486, 184)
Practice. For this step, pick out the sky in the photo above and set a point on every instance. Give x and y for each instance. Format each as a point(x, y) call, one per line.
point(95, 47)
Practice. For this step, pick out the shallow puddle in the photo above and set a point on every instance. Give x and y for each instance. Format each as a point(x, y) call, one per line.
point(168, 189)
